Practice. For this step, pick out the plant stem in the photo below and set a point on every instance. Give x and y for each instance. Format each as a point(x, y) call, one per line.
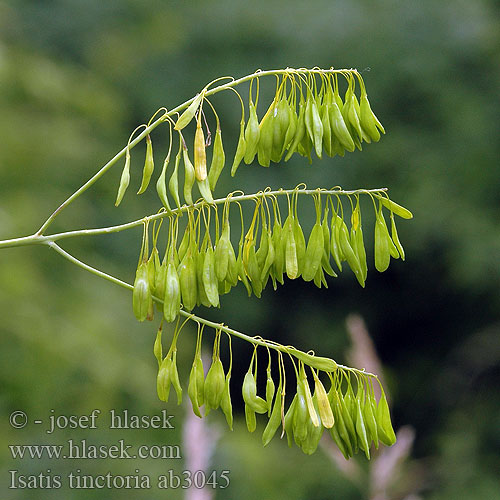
point(38, 238)
point(163, 118)
point(217, 326)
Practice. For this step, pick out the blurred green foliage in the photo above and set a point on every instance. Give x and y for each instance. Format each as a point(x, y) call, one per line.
point(77, 77)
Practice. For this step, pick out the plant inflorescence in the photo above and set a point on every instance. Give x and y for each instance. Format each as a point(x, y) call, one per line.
point(202, 260)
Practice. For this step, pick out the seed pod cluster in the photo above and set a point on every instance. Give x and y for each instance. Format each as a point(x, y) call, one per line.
point(206, 265)
point(308, 114)
point(349, 410)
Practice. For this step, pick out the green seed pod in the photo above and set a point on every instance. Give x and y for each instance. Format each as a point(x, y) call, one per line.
point(395, 208)
point(269, 392)
point(300, 415)
point(200, 379)
point(232, 267)
point(280, 124)
point(174, 377)
point(241, 273)
point(157, 349)
point(370, 421)
point(204, 188)
point(124, 179)
point(334, 432)
point(147, 171)
point(250, 419)
point(209, 277)
point(300, 131)
point(266, 135)
point(291, 129)
point(189, 177)
point(225, 403)
point(172, 302)
point(347, 409)
point(310, 405)
point(300, 244)
point(188, 281)
point(249, 392)
point(270, 257)
point(161, 185)
point(288, 421)
point(200, 264)
point(252, 269)
point(291, 261)
point(142, 300)
point(318, 362)
point(200, 155)
point(278, 266)
point(361, 430)
point(327, 130)
point(240, 149)
point(252, 133)
point(335, 249)
point(340, 426)
point(324, 408)
point(384, 425)
point(382, 252)
point(163, 379)
point(314, 252)
point(395, 238)
point(349, 254)
point(193, 391)
point(368, 120)
point(314, 433)
point(160, 277)
point(339, 128)
point(214, 384)
point(274, 420)
point(261, 253)
point(317, 129)
point(173, 183)
point(222, 253)
point(189, 113)
point(218, 160)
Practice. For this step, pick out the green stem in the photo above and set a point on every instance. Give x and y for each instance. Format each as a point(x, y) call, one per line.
point(163, 118)
point(217, 326)
point(44, 239)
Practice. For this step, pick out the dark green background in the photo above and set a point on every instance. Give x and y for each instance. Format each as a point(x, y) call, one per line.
point(76, 77)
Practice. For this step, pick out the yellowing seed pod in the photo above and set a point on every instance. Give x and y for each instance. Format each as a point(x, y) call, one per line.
point(200, 156)
point(189, 113)
point(147, 171)
point(324, 408)
point(189, 177)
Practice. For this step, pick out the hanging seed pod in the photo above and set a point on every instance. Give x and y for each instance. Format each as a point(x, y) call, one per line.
point(252, 133)
point(218, 160)
point(291, 129)
point(327, 130)
point(163, 379)
point(382, 252)
point(270, 388)
point(189, 177)
point(161, 185)
point(340, 129)
point(174, 377)
point(250, 419)
point(274, 420)
point(300, 415)
point(193, 391)
point(142, 300)
point(172, 302)
point(200, 262)
point(222, 253)
point(300, 130)
point(189, 113)
point(314, 433)
point(249, 391)
point(369, 122)
point(173, 183)
point(280, 125)
point(289, 421)
point(270, 257)
point(341, 433)
point(395, 238)
point(241, 273)
point(278, 266)
point(395, 208)
point(309, 402)
point(266, 135)
point(314, 252)
point(349, 254)
point(370, 421)
point(188, 281)
point(209, 277)
point(200, 155)
point(317, 128)
point(324, 408)
point(157, 348)
point(361, 430)
point(384, 425)
point(240, 149)
point(160, 277)
point(291, 261)
point(147, 171)
point(318, 362)
point(225, 403)
point(124, 179)
point(214, 384)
